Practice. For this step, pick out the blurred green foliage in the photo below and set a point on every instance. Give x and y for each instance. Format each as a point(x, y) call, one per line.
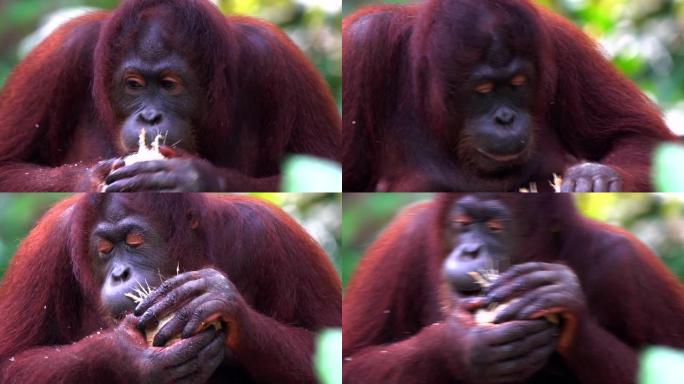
point(656, 219)
point(313, 25)
point(644, 39)
point(660, 365)
point(303, 173)
point(363, 216)
point(318, 213)
point(328, 356)
point(668, 177)
point(18, 213)
point(349, 6)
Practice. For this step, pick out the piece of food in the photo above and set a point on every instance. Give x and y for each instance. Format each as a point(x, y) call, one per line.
point(145, 153)
point(139, 295)
point(487, 315)
point(555, 184)
point(531, 189)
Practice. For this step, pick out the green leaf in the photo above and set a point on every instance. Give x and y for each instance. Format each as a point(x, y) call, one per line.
point(310, 174)
point(660, 365)
point(328, 357)
point(667, 174)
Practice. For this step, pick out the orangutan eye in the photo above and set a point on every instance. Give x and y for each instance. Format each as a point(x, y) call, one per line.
point(134, 82)
point(134, 240)
point(495, 225)
point(485, 88)
point(169, 84)
point(104, 246)
point(463, 220)
point(518, 80)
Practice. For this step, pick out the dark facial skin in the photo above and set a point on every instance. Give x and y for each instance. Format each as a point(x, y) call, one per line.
point(127, 250)
point(480, 234)
point(480, 237)
point(155, 89)
point(498, 128)
point(157, 97)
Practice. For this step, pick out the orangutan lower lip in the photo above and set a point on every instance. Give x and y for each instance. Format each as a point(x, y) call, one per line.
point(501, 158)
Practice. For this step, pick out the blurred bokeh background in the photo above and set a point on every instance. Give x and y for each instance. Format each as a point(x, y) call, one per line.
point(656, 219)
point(319, 213)
point(313, 24)
point(644, 39)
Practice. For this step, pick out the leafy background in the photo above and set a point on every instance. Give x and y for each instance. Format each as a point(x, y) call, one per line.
point(644, 39)
point(318, 213)
point(313, 24)
point(656, 219)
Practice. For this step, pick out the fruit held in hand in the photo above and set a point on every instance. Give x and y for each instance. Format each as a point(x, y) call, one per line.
point(139, 295)
point(145, 153)
point(488, 315)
